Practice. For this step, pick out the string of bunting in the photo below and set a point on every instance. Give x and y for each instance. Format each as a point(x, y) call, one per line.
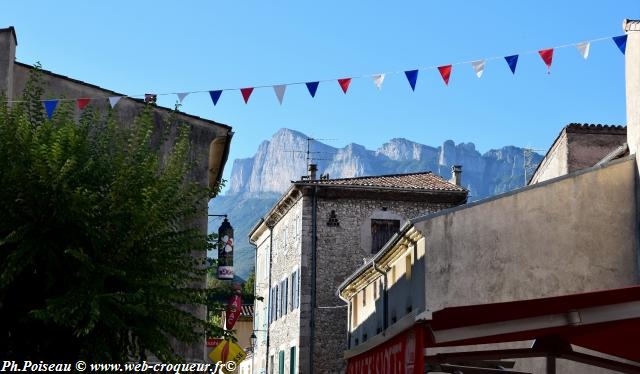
point(312, 86)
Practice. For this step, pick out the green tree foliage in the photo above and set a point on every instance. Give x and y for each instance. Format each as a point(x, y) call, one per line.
point(248, 286)
point(95, 256)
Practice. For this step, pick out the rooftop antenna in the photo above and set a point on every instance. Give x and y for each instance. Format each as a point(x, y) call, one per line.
point(309, 154)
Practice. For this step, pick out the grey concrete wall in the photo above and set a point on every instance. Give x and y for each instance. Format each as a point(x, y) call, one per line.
point(569, 235)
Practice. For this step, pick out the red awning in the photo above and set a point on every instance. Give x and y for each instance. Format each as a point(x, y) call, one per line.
point(604, 321)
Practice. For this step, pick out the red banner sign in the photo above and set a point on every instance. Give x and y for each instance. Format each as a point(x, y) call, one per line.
point(402, 354)
point(234, 308)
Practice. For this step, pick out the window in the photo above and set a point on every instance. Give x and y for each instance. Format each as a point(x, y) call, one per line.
point(355, 310)
point(408, 267)
point(381, 231)
point(276, 305)
point(292, 360)
point(285, 237)
point(281, 362)
point(364, 296)
point(295, 289)
point(265, 272)
point(271, 365)
point(285, 296)
point(375, 291)
point(270, 306)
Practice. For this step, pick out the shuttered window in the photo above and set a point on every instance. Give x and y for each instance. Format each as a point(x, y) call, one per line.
point(281, 362)
point(381, 231)
point(292, 360)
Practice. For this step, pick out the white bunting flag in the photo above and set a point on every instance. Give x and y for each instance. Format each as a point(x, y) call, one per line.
point(113, 100)
point(583, 49)
point(478, 67)
point(378, 79)
point(279, 90)
point(182, 95)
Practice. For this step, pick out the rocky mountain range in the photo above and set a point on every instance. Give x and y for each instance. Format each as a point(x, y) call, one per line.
point(257, 182)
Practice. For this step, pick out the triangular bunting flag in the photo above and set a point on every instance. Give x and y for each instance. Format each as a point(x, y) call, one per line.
point(113, 100)
point(547, 57)
point(378, 79)
point(512, 61)
point(83, 102)
point(445, 72)
point(344, 84)
point(50, 107)
point(312, 87)
point(246, 93)
point(182, 95)
point(412, 77)
point(583, 49)
point(478, 67)
point(215, 96)
point(279, 90)
point(621, 42)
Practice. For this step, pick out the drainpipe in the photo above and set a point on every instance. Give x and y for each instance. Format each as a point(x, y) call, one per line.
point(255, 309)
point(348, 318)
point(385, 299)
point(314, 239)
point(266, 366)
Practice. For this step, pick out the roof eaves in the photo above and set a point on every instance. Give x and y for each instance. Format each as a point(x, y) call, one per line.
point(398, 189)
point(369, 263)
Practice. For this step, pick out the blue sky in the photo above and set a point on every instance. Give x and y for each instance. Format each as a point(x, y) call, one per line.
point(161, 46)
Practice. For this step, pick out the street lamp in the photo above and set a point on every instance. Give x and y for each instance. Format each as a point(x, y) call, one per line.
point(254, 342)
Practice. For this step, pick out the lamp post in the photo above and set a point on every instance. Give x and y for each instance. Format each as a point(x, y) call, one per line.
point(254, 343)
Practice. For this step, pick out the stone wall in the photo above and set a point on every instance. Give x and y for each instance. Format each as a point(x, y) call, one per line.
point(286, 258)
point(341, 250)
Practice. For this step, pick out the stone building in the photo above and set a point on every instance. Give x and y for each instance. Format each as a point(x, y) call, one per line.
point(316, 234)
point(544, 277)
point(579, 146)
point(210, 141)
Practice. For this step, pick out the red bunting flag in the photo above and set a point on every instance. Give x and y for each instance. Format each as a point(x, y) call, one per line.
point(82, 102)
point(246, 93)
point(445, 72)
point(344, 83)
point(547, 57)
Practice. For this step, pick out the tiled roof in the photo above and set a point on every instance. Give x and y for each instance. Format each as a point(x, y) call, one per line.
point(247, 310)
point(599, 128)
point(415, 181)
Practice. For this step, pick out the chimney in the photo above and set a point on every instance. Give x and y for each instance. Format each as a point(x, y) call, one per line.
point(313, 168)
point(456, 175)
point(632, 77)
point(8, 43)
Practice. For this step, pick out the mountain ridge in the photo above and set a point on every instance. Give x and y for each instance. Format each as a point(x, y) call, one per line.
point(257, 182)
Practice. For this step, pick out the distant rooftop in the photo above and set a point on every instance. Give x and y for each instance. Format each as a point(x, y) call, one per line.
point(414, 181)
point(596, 128)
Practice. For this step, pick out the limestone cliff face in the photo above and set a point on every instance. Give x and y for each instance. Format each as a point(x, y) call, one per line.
point(282, 159)
point(257, 182)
